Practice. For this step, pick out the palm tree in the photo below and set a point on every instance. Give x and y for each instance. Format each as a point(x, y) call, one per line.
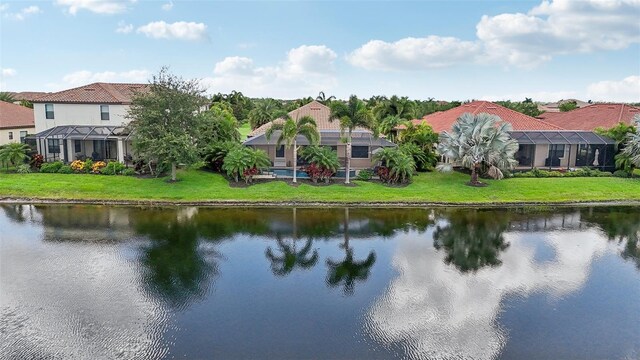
point(477, 140)
point(14, 153)
point(264, 111)
point(351, 115)
point(7, 97)
point(290, 129)
point(291, 257)
point(322, 98)
point(632, 145)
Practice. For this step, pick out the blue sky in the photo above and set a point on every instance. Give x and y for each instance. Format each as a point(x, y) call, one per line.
point(450, 50)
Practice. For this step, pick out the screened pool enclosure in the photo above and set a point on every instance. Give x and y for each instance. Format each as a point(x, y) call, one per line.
point(69, 143)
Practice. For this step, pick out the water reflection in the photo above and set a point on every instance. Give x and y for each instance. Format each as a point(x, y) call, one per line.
point(472, 238)
point(105, 282)
point(179, 269)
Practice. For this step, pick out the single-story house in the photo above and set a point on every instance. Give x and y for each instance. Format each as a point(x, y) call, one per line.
point(16, 122)
point(363, 145)
point(542, 144)
point(590, 117)
point(85, 122)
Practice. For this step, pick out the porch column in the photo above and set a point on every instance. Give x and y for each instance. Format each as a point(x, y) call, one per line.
point(70, 150)
point(120, 146)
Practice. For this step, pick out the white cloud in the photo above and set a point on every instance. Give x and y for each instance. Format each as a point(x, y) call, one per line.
point(124, 28)
point(555, 27)
point(414, 53)
point(20, 15)
point(560, 27)
point(625, 90)
point(7, 72)
point(306, 70)
point(181, 30)
point(168, 6)
point(84, 77)
point(96, 6)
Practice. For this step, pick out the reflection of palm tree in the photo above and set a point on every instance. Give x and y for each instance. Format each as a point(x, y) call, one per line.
point(348, 271)
point(291, 258)
point(472, 239)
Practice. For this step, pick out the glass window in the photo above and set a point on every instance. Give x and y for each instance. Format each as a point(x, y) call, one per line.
point(10, 135)
point(77, 145)
point(53, 146)
point(23, 134)
point(280, 151)
point(556, 151)
point(104, 112)
point(48, 111)
point(359, 152)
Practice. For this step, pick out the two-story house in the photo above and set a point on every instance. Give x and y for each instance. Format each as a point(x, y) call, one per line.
point(85, 122)
point(15, 122)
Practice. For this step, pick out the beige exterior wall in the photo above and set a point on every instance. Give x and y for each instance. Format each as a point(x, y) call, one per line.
point(542, 153)
point(78, 114)
point(288, 159)
point(4, 134)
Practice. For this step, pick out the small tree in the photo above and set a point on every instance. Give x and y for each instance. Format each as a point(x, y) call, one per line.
point(397, 166)
point(568, 106)
point(422, 136)
point(165, 121)
point(14, 154)
point(245, 162)
point(324, 162)
point(477, 140)
point(264, 111)
point(289, 131)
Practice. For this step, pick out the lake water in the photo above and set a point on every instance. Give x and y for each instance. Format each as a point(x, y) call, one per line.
point(99, 282)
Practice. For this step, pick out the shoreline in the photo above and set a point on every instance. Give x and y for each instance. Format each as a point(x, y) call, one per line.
point(362, 204)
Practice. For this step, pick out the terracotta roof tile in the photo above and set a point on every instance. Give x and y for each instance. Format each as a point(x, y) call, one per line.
point(96, 93)
point(319, 112)
point(14, 116)
point(28, 95)
point(593, 116)
point(443, 120)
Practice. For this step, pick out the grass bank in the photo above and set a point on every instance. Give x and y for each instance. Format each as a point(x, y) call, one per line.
point(200, 186)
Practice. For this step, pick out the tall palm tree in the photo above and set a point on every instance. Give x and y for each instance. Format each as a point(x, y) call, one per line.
point(322, 98)
point(290, 129)
point(477, 140)
point(351, 115)
point(14, 153)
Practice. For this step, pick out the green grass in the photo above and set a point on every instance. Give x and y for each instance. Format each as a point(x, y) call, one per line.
point(195, 185)
point(244, 130)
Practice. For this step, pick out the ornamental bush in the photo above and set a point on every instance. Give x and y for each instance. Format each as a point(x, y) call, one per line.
point(97, 167)
point(65, 169)
point(51, 167)
point(77, 166)
point(23, 169)
point(113, 168)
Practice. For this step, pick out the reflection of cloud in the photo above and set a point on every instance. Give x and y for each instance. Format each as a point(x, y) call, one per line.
point(85, 302)
point(439, 312)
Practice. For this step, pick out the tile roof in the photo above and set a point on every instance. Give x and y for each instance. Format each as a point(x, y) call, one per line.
point(593, 116)
point(96, 93)
point(14, 116)
point(28, 95)
point(443, 120)
point(319, 112)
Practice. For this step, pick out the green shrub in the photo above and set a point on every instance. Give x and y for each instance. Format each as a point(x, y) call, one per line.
point(51, 167)
point(128, 172)
point(88, 165)
point(23, 169)
point(65, 169)
point(621, 174)
point(365, 175)
point(583, 172)
point(113, 168)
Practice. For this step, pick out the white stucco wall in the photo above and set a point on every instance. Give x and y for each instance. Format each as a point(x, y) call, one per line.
point(78, 114)
point(4, 134)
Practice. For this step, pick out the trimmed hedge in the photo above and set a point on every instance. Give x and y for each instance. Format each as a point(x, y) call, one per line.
point(583, 172)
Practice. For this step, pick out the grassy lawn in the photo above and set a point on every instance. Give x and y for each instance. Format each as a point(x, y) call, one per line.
point(244, 130)
point(428, 187)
